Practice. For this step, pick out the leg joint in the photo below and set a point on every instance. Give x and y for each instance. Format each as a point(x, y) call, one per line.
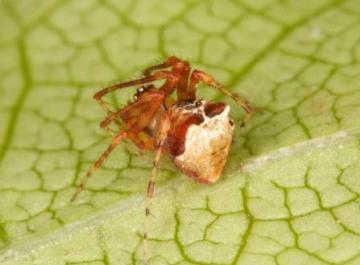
point(150, 189)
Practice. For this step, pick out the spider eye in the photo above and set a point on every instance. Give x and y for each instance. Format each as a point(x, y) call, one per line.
point(135, 97)
point(140, 90)
point(198, 103)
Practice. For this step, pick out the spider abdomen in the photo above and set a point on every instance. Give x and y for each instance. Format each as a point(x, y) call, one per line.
point(200, 139)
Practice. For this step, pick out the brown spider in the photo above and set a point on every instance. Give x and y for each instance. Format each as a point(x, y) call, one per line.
point(195, 133)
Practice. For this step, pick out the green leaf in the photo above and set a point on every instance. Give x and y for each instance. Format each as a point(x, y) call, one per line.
point(290, 190)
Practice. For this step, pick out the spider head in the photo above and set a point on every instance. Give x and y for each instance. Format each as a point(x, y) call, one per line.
point(200, 137)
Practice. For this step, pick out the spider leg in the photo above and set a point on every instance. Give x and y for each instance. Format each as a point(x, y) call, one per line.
point(181, 67)
point(199, 76)
point(169, 62)
point(183, 82)
point(163, 128)
point(113, 116)
point(151, 78)
point(116, 140)
point(141, 142)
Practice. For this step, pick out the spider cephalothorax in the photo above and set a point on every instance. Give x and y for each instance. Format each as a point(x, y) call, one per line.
point(195, 133)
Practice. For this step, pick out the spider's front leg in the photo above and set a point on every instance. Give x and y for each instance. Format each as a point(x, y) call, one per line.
point(171, 61)
point(137, 116)
point(148, 79)
point(111, 117)
point(116, 140)
point(200, 76)
point(182, 68)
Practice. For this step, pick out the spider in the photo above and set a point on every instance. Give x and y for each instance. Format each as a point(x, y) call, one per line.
point(195, 133)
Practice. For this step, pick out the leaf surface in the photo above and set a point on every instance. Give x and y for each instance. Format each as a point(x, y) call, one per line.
point(290, 190)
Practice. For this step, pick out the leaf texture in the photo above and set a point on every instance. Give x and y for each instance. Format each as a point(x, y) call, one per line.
point(290, 190)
